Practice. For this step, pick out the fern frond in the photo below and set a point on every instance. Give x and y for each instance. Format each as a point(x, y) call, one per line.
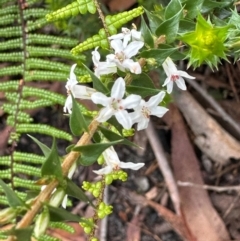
point(24, 183)
point(73, 9)
point(43, 129)
point(26, 169)
point(12, 57)
point(62, 226)
point(113, 23)
point(46, 237)
point(26, 157)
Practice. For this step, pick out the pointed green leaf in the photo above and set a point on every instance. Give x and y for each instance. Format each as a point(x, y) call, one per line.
point(172, 8)
point(97, 84)
point(142, 91)
point(112, 136)
point(45, 149)
point(52, 164)
point(159, 54)
point(59, 214)
point(13, 199)
point(90, 153)
point(21, 234)
point(77, 120)
point(142, 80)
point(74, 191)
point(146, 33)
point(169, 28)
point(154, 20)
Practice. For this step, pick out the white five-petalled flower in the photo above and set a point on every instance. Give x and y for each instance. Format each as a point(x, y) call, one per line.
point(78, 91)
point(126, 35)
point(102, 68)
point(115, 105)
point(113, 163)
point(123, 55)
point(142, 113)
point(174, 75)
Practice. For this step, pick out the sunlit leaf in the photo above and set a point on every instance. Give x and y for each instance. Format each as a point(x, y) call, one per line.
point(45, 149)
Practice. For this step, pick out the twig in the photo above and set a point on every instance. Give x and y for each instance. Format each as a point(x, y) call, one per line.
point(231, 206)
point(45, 194)
point(215, 105)
point(164, 166)
point(231, 82)
point(104, 222)
point(209, 187)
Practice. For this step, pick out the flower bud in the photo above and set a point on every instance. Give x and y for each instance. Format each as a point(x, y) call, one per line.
point(7, 215)
point(57, 197)
point(41, 223)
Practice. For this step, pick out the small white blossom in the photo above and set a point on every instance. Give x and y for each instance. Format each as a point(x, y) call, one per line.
point(174, 75)
point(102, 68)
point(115, 105)
point(113, 163)
point(78, 91)
point(123, 55)
point(127, 35)
point(142, 113)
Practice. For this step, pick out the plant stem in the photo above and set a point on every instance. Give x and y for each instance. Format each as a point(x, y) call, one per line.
point(46, 193)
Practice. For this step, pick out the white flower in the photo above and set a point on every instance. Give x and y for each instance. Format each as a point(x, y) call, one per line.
point(127, 35)
point(78, 91)
point(174, 75)
point(142, 113)
point(123, 55)
point(113, 163)
point(115, 105)
point(102, 68)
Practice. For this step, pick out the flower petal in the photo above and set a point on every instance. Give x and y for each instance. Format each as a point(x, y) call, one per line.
point(111, 157)
point(105, 114)
point(185, 74)
point(134, 67)
point(169, 67)
point(105, 68)
point(159, 111)
point(131, 165)
point(100, 98)
point(103, 171)
point(167, 80)
point(181, 83)
point(155, 100)
point(64, 201)
point(136, 35)
point(82, 92)
point(68, 105)
point(95, 57)
point(124, 119)
point(118, 89)
point(135, 116)
point(117, 45)
point(143, 123)
point(133, 48)
point(131, 101)
point(170, 87)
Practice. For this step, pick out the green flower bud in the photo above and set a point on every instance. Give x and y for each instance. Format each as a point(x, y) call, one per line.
point(7, 215)
point(129, 132)
point(57, 197)
point(108, 179)
point(87, 230)
point(96, 193)
point(100, 160)
point(86, 185)
point(94, 239)
point(41, 223)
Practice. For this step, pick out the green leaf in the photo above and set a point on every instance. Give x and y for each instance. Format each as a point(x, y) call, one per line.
point(112, 136)
point(193, 8)
point(13, 199)
point(59, 215)
point(74, 191)
point(45, 149)
point(146, 33)
point(77, 120)
point(97, 84)
point(172, 9)
point(52, 164)
point(154, 20)
point(21, 234)
point(142, 91)
point(90, 153)
point(160, 54)
point(169, 28)
point(142, 80)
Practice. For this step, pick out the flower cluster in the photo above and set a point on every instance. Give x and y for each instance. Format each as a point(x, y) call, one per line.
point(125, 45)
point(127, 109)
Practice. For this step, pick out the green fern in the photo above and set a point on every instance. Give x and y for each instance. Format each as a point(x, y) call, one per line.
point(28, 55)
